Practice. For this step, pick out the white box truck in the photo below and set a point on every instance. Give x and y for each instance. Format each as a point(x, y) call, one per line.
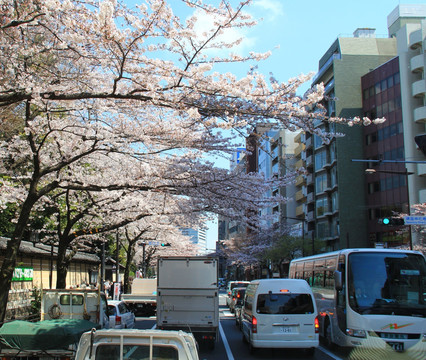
point(188, 296)
point(143, 298)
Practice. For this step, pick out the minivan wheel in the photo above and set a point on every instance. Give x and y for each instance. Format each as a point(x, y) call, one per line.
point(310, 352)
point(244, 338)
point(252, 349)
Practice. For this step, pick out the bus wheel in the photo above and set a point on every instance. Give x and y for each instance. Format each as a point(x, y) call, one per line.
point(327, 336)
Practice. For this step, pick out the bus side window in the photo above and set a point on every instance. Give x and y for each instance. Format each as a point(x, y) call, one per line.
point(329, 279)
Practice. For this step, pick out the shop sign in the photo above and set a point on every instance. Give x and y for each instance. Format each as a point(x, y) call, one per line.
point(23, 274)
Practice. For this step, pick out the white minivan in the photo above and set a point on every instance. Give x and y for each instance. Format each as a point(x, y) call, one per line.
point(280, 313)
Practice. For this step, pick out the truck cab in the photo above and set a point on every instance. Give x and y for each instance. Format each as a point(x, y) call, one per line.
point(135, 344)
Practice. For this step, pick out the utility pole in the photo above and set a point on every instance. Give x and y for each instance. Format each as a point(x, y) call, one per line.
point(117, 265)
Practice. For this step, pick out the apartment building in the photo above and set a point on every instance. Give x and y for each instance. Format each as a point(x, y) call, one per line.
point(335, 205)
point(407, 23)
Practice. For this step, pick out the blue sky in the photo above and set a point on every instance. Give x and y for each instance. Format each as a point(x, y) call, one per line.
point(299, 32)
point(304, 30)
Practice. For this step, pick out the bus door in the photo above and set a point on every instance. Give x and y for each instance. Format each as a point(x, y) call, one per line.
point(341, 295)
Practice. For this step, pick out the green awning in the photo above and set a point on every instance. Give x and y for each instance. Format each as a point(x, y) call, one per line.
point(43, 335)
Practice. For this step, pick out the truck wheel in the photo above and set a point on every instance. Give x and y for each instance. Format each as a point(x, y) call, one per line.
point(211, 344)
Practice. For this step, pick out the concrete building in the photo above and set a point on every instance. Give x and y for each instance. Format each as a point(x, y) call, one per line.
point(386, 181)
point(272, 154)
point(407, 23)
point(335, 207)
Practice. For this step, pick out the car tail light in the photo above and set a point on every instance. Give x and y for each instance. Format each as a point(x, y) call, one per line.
point(254, 325)
point(117, 320)
point(316, 325)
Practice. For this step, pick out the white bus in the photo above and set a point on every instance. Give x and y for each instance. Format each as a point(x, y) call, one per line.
point(370, 297)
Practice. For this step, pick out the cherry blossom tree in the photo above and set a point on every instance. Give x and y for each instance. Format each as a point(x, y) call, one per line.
point(118, 99)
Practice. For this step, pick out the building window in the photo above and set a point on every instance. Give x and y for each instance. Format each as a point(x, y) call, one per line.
point(323, 229)
point(320, 159)
point(396, 78)
point(335, 201)
point(321, 206)
point(317, 142)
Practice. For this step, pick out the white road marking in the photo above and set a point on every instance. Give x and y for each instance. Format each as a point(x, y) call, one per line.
point(225, 343)
point(333, 356)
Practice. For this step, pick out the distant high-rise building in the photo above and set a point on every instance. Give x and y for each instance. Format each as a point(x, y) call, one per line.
point(198, 236)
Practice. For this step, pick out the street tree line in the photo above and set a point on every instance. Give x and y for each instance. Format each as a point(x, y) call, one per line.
point(108, 115)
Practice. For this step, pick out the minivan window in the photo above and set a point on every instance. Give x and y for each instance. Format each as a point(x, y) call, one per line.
point(284, 304)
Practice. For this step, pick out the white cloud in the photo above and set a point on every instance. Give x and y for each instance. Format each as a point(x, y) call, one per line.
point(272, 8)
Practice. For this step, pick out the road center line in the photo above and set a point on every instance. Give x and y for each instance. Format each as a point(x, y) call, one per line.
point(225, 343)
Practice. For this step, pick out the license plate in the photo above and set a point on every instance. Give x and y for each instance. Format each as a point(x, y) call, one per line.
point(397, 346)
point(286, 329)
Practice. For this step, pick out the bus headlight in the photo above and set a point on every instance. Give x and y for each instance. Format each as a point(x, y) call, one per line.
point(356, 333)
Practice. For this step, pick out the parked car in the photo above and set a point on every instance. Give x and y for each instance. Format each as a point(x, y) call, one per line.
point(280, 313)
point(237, 298)
point(231, 285)
point(120, 316)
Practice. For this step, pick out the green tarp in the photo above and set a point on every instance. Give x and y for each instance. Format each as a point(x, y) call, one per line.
point(43, 335)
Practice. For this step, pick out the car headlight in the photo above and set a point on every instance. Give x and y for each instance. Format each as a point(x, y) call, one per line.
point(356, 333)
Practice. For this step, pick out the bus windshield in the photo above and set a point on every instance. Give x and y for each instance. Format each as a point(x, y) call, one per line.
point(387, 283)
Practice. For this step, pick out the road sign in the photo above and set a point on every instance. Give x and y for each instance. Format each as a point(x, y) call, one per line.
point(415, 220)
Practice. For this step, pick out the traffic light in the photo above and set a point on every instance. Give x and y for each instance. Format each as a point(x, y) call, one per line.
point(166, 244)
point(392, 221)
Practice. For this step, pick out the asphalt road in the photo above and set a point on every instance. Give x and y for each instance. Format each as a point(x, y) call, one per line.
point(230, 345)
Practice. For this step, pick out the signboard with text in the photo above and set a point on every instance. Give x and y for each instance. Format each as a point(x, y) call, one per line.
point(23, 274)
point(415, 220)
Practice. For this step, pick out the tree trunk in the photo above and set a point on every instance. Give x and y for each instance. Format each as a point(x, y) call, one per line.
point(11, 254)
point(129, 259)
point(62, 263)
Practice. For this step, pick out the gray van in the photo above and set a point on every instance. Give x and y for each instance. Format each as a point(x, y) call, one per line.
point(280, 313)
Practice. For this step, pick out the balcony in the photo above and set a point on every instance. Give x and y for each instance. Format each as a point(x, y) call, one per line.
point(421, 169)
point(325, 67)
point(310, 216)
point(300, 180)
point(299, 148)
point(300, 164)
point(415, 39)
point(309, 161)
point(420, 114)
point(300, 196)
point(417, 63)
point(299, 210)
point(419, 88)
point(309, 142)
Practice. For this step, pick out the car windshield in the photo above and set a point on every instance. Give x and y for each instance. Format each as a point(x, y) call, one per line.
point(383, 283)
point(284, 304)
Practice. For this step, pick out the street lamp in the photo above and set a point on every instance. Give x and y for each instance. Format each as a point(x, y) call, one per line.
point(406, 173)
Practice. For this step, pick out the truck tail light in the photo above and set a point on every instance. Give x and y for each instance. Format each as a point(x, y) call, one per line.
point(118, 320)
point(254, 325)
point(316, 325)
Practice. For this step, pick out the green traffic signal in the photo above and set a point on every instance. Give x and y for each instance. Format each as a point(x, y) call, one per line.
point(386, 221)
